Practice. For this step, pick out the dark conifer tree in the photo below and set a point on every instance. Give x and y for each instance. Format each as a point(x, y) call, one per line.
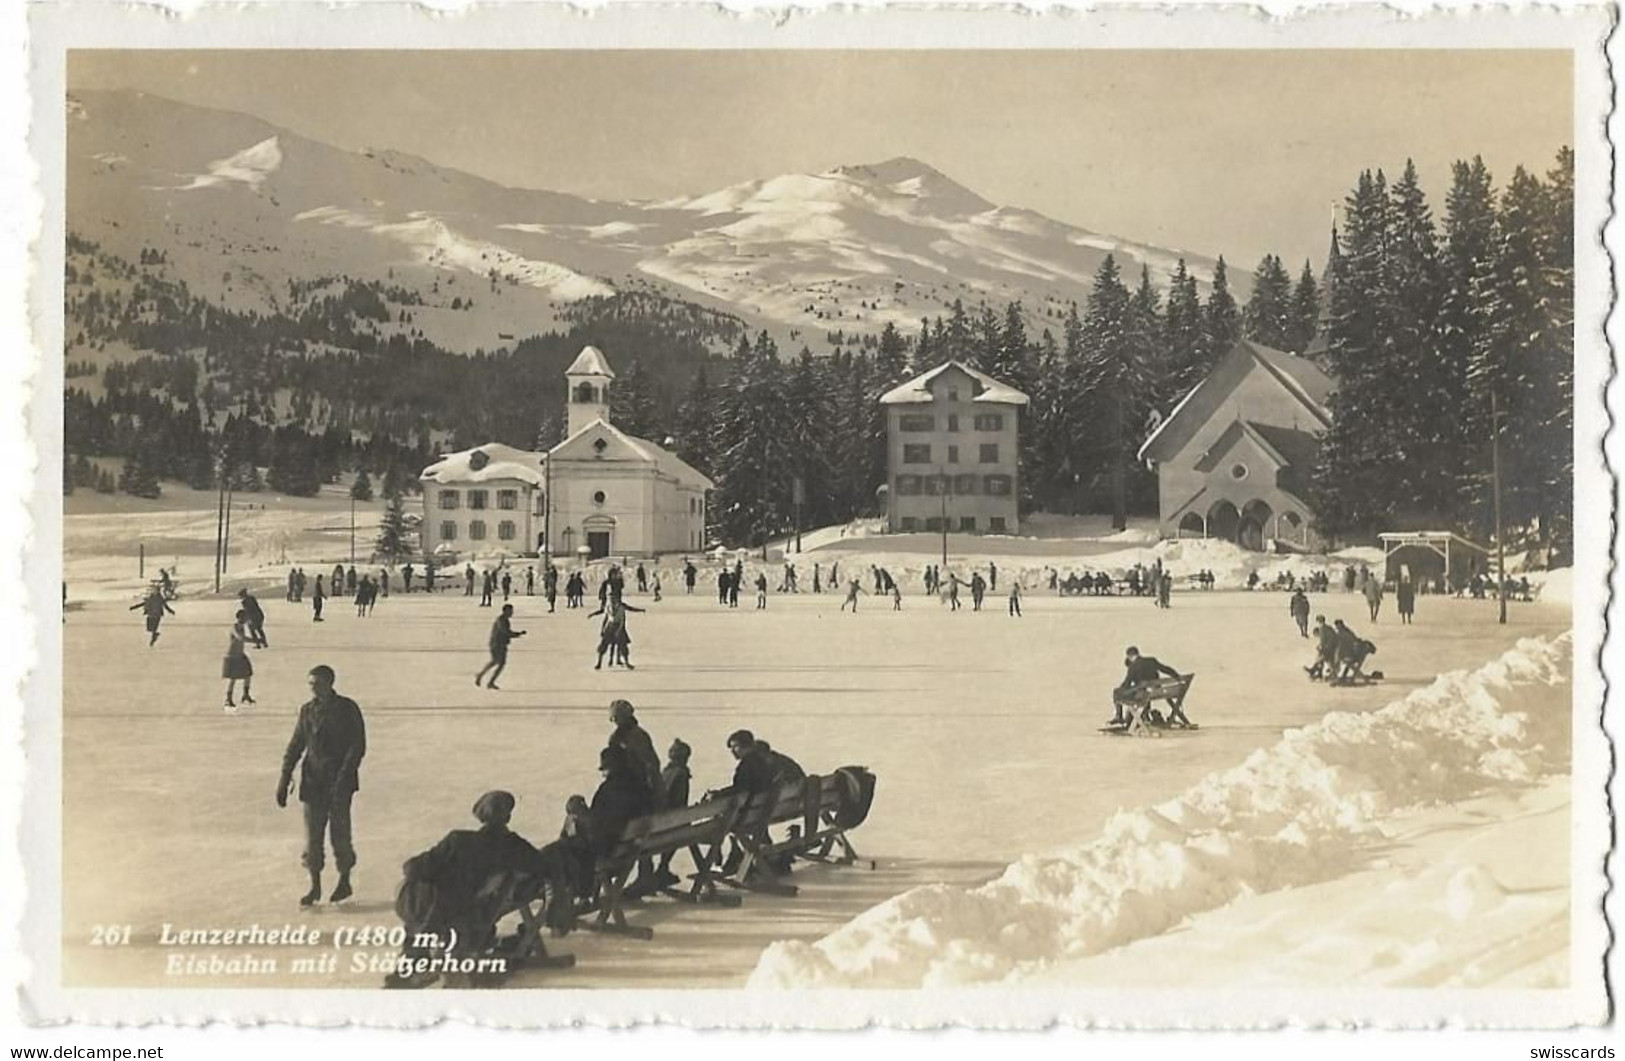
point(1221, 320)
point(361, 488)
point(1117, 389)
point(1183, 330)
point(1304, 316)
point(1268, 317)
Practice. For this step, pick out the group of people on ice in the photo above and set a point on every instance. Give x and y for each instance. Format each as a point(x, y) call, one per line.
point(458, 889)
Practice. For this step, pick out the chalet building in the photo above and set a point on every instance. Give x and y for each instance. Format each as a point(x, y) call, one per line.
point(951, 452)
point(600, 489)
point(1234, 458)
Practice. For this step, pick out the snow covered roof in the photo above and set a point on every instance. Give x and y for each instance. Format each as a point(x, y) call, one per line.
point(590, 362)
point(918, 389)
point(1300, 377)
point(484, 463)
point(665, 462)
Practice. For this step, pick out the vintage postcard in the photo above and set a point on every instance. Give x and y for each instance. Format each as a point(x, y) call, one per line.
point(904, 515)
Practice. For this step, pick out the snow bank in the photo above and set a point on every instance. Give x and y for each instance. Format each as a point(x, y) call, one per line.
point(1291, 815)
point(1553, 586)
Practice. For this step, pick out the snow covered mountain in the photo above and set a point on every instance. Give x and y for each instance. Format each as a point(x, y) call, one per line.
point(240, 208)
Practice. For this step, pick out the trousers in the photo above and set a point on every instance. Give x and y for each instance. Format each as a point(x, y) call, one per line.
point(326, 816)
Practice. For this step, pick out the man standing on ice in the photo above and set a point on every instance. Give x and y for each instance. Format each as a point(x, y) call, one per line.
point(502, 632)
point(1298, 606)
point(316, 599)
point(1373, 595)
point(331, 739)
point(1015, 599)
point(852, 590)
point(154, 605)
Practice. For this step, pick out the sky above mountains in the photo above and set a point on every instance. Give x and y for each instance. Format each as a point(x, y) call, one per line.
point(1236, 152)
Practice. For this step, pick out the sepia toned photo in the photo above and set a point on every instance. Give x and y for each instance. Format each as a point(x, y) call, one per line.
point(575, 526)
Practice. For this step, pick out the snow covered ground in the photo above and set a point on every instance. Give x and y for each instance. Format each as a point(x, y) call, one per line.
point(1334, 815)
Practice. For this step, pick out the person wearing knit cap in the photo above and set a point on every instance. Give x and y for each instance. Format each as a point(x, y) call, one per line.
point(638, 745)
point(465, 883)
point(624, 794)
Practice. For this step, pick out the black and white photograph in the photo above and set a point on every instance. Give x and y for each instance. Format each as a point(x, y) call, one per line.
point(1066, 523)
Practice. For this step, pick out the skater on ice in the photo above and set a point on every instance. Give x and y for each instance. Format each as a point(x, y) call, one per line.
point(236, 666)
point(328, 743)
point(1405, 600)
point(317, 597)
point(852, 590)
point(1015, 599)
point(154, 606)
point(502, 634)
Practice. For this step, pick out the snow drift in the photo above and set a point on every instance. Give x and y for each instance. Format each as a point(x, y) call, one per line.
point(1290, 815)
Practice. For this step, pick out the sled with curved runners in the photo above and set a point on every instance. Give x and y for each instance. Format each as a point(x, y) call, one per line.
point(1144, 719)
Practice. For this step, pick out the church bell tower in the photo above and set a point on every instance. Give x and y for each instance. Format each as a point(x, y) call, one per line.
point(589, 378)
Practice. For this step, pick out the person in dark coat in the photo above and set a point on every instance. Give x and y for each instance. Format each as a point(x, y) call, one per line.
point(639, 747)
point(317, 596)
point(673, 794)
point(1298, 606)
point(1405, 600)
point(622, 795)
point(1325, 650)
point(690, 573)
point(428, 576)
point(507, 584)
point(406, 577)
point(1138, 671)
point(154, 606)
point(502, 633)
point(350, 581)
point(335, 586)
point(328, 743)
point(978, 587)
point(758, 769)
point(454, 893)
point(468, 580)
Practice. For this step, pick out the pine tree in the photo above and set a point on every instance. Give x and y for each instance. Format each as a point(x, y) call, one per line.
point(394, 544)
point(361, 489)
point(634, 404)
point(1415, 390)
point(1221, 320)
point(1268, 317)
point(1116, 387)
point(754, 462)
point(104, 482)
point(1183, 334)
point(1304, 315)
point(694, 423)
point(138, 477)
point(988, 341)
point(1468, 258)
point(807, 435)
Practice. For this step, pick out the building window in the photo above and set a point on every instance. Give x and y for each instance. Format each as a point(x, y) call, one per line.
point(964, 484)
point(933, 523)
point(953, 421)
point(448, 531)
point(990, 453)
point(693, 506)
point(953, 454)
point(505, 530)
point(967, 524)
point(995, 524)
point(448, 500)
point(997, 485)
point(909, 523)
point(476, 530)
point(478, 498)
point(953, 394)
point(599, 446)
point(508, 499)
point(936, 485)
point(908, 485)
point(916, 453)
point(916, 422)
point(1238, 471)
point(598, 497)
point(990, 422)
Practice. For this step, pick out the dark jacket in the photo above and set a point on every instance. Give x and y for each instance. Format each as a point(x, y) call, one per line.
point(621, 797)
point(461, 863)
point(1146, 669)
point(332, 738)
point(640, 752)
point(674, 786)
point(251, 605)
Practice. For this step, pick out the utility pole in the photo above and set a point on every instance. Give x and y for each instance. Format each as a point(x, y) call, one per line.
point(220, 518)
point(1495, 479)
point(352, 528)
point(225, 544)
point(798, 492)
point(943, 481)
point(547, 511)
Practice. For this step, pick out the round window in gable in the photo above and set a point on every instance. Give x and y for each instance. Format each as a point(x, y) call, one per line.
point(598, 498)
point(1238, 471)
point(478, 459)
point(599, 446)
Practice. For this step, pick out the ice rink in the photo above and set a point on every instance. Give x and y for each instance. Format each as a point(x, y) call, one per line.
point(981, 729)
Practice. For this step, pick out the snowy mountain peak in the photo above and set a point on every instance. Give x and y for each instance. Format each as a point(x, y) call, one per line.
point(918, 180)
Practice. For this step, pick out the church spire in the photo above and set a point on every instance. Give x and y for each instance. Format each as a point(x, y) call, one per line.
point(589, 377)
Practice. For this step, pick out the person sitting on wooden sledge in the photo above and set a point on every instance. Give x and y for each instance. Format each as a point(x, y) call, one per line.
point(1140, 671)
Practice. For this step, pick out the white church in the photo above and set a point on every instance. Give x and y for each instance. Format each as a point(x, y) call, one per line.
point(601, 492)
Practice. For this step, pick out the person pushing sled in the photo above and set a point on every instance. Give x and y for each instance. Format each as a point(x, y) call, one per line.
point(1146, 681)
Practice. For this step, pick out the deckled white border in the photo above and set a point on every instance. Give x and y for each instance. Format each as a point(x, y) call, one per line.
point(520, 26)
